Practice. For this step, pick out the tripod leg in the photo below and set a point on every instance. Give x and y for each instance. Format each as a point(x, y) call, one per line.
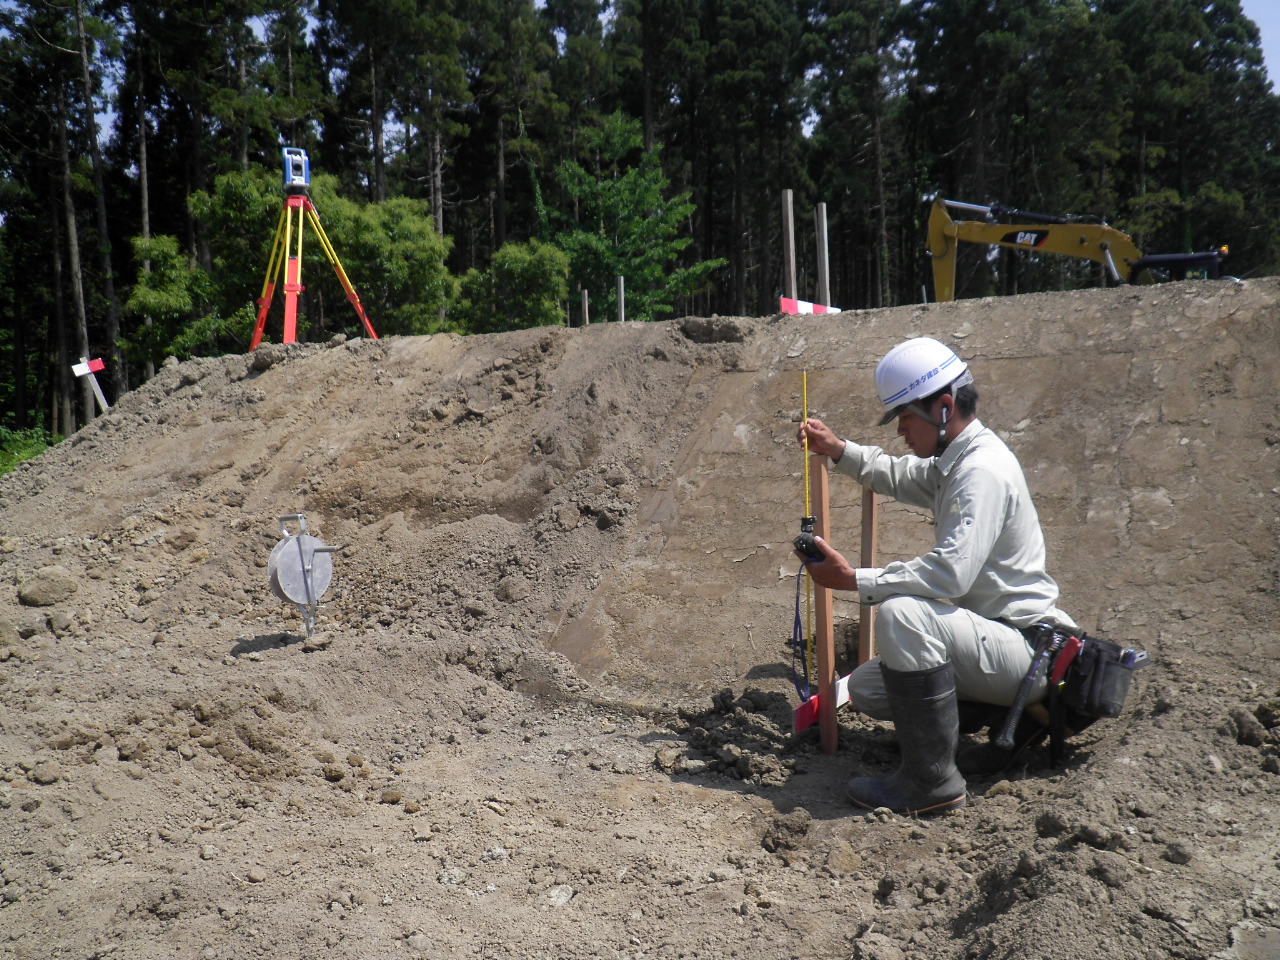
point(332, 256)
point(269, 281)
point(293, 274)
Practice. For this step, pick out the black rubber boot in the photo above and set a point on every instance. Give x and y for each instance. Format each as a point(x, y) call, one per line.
point(923, 704)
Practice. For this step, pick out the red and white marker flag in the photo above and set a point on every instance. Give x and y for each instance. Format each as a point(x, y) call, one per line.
point(804, 307)
point(87, 368)
point(806, 715)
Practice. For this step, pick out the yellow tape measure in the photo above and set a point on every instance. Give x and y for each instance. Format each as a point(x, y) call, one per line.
point(810, 646)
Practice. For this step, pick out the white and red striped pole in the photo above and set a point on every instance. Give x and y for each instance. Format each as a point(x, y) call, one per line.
point(792, 306)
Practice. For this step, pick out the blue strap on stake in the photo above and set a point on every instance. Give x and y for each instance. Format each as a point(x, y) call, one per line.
point(799, 642)
point(799, 648)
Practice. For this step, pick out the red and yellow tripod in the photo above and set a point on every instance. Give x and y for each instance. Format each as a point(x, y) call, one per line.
point(285, 265)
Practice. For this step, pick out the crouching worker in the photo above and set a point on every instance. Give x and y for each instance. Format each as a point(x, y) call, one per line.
point(950, 622)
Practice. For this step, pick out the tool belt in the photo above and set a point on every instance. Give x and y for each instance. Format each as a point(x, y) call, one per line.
point(1089, 679)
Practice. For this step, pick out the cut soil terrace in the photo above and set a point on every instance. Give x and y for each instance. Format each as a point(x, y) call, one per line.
point(546, 711)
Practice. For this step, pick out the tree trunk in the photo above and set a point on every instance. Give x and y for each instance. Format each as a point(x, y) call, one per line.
point(244, 127)
point(73, 254)
point(379, 160)
point(20, 401)
point(194, 173)
point(500, 200)
point(61, 418)
point(437, 180)
point(119, 379)
point(288, 72)
point(144, 190)
point(882, 221)
point(647, 47)
point(737, 253)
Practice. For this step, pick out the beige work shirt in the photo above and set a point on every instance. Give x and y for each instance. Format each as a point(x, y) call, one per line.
point(989, 554)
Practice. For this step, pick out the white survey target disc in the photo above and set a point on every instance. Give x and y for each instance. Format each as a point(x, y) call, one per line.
point(298, 569)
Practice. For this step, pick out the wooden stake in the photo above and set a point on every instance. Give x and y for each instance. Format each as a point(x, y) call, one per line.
point(870, 541)
point(824, 282)
point(824, 616)
point(788, 245)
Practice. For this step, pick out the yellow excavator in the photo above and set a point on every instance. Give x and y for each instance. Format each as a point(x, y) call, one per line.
point(1044, 233)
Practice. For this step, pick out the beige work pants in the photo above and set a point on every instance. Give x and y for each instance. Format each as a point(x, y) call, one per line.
point(990, 658)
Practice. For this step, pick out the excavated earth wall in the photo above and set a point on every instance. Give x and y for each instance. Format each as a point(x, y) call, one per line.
point(545, 713)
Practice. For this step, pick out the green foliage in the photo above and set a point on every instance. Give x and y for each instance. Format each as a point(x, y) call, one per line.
point(165, 290)
point(212, 334)
point(19, 445)
point(1193, 176)
point(1152, 213)
point(627, 227)
point(292, 73)
point(239, 215)
point(524, 286)
point(392, 255)
point(165, 297)
point(179, 300)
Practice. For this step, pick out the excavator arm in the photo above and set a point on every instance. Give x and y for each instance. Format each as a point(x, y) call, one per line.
point(1046, 234)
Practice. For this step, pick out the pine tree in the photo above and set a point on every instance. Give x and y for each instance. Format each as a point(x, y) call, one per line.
point(624, 224)
point(507, 52)
point(857, 144)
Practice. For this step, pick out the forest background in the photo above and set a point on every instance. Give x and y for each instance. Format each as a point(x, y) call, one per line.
point(477, 163)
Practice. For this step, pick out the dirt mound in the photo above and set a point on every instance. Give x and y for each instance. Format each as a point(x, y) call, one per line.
point(546, 710)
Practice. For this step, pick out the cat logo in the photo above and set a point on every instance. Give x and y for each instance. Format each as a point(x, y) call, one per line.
point(1025, 238)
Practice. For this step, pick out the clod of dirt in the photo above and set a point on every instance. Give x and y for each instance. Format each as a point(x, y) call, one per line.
point(47, 586)
point(787, 832)
point(713, 330)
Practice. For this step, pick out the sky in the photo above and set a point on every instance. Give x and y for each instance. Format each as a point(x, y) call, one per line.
point(1266, 14)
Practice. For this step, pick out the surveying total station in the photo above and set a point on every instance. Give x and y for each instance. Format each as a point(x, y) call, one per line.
point(297, 170)
point(285, 265)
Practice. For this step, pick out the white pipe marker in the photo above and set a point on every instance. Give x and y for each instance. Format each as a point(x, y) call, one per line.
point(87, 368)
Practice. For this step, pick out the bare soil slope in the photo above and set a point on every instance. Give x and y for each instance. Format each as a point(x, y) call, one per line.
point(546, 711)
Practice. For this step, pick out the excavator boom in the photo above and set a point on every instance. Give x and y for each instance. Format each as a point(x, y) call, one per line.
point(1044, 233)
point(1050, 234)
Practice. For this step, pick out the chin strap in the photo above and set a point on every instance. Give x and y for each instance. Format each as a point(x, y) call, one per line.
point(924, 415)
point(963, 380)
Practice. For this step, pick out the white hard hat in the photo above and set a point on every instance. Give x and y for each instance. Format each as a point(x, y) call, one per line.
point(915, 369)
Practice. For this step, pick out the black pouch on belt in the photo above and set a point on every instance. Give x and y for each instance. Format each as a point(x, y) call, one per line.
point(1098, 680)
